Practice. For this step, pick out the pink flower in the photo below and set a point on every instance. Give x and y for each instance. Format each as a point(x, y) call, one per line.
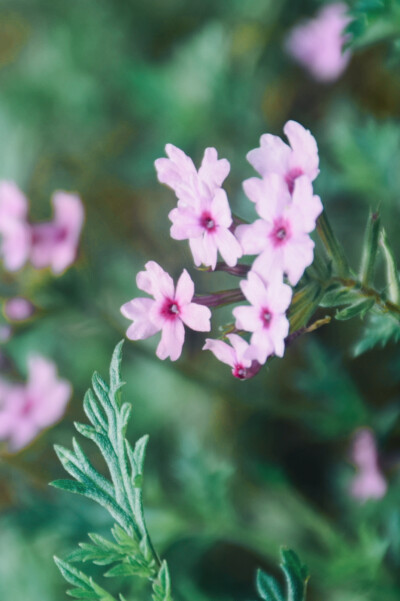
point(170, 309)
point(317, 44)
point(54, 244)
point(290, 162)
point(18, 308)
point(179, 173)
point(14, 228)
point(206, 224)
point(369, 482)
point(237, 355)
point(265, 318)
point(27, 409)
point(280, 237)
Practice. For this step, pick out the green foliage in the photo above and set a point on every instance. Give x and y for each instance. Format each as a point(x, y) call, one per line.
point(296, 576)
point(370, 249)
point(131, 552)
point(374, 21)
point(380, 330)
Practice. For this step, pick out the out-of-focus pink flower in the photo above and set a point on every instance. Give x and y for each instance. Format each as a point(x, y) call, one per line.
point(14, 228)
point(206, 224)
point(369, 482)
point(265, 318)
point(18, 308)
point(179, 173)
point(27, 409)
point(290, 162)
point(237, 354)
point(170, 309)
point(54, 244)
point(317, 44)
point(280, 237)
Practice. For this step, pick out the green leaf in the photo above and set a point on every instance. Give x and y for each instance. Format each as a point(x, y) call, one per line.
point(337, 294)
point(392, 273)
point(296, 575)
point(360, 308)
point(380, 330)
point(304, 304)
point(370, 249)
point(131, 552)
point(162, 585)
point(268, 588)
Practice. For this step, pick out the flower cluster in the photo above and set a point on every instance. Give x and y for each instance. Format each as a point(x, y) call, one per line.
point(279, 240)
point(52, 244)
point(26, 409)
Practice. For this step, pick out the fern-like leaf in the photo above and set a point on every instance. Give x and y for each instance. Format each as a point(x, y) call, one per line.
point(131, 552)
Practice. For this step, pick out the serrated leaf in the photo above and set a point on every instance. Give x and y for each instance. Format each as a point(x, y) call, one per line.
point(380, 330)
point(359, 308)
point(268, 588)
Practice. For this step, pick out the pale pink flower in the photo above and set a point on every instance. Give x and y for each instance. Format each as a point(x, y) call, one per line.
point(179, 173)
point(206, 225)
point(290, 162)
point(369, 482)
point(54, 244)
point(265, 318)
point(237, 354)
point(27, 409)
point(280, 237)
point(317, 44)
point(168, 312)
point(18, 308)
point(14, 228)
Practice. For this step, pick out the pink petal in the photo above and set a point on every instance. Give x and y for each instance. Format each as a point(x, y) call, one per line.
point(254, 238)
point(309, 204)
point(213, 171)
point(305, 149)
point(254, 289)
point(272, 156)
point(172, 338)
point(220, 209)
point(228, 246)
point(275, 199)
point(197, 317)
point(197, 248)
point(222, 351)
point(247, 318)
point(262, 346)
point(155, 281)
point(186, 223)
point(241, 347)
point(184, 289)
point(298, 255)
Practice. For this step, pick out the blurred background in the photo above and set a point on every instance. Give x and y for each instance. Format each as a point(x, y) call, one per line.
point(90, 93)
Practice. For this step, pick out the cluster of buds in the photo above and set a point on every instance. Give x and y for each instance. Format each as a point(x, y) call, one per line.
point(52, 244)
point(279, 240)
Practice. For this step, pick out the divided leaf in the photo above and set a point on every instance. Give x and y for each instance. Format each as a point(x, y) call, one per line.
point(296, 576)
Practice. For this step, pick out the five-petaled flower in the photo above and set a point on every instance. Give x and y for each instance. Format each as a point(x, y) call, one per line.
point(280, 237)
point(265, 317)
point(168, 312)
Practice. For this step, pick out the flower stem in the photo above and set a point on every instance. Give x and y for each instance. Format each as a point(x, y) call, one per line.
point(332, 246)
point(219, 299)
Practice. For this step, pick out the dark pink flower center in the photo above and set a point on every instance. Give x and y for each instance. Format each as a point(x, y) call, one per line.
point(280, 232)
point(239, 371)
point(266, 317)
point(27, 408)
point(48, 233)
point(170, 309)
point(208, 222)
point(291, 176)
